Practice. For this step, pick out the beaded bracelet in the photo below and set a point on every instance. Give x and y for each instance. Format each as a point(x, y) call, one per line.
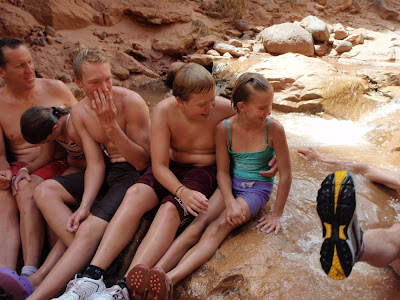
point(181, 186)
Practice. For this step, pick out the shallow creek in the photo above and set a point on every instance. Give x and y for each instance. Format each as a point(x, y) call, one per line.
point(287, 265)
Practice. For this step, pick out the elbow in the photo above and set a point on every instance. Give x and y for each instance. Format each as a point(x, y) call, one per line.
point(141, 166)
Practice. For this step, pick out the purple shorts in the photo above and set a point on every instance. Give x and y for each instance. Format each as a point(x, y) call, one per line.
point(255, 193)
point(201, 179)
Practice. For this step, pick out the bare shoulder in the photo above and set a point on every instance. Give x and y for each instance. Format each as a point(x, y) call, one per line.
point(51, 85)
point(166, 105)
point(129, 102)
point(78, 111)
point(223, 107)
point(125, 96)
point(275, 127)
point(56, 88)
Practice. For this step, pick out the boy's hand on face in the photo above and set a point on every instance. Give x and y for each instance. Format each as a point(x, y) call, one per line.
point(194, 201)
point(104, 107)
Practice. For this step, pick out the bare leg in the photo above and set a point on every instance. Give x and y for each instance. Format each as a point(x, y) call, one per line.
point(212, 238)
point(9, 230)
point(382, 246)
point(191, 235)
point(52, 200)
point(52, 258)
point(139, 199)
point(32, 226)
point(74, 259)
point(159, 237)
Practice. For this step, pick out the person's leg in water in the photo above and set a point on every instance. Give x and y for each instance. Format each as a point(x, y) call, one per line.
point(336, 207)
point(382, 247)
point(209, 242)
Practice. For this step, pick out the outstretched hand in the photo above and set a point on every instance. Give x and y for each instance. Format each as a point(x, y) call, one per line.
point(274, 168)
point(269, 223)
point(309, 153)
point(76, 219)
point(5, 179)
point(194, 201)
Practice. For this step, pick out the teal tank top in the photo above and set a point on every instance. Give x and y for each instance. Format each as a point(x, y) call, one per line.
point(247, 165)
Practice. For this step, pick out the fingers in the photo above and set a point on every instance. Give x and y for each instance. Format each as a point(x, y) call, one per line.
point(274, 168)
point(9, 175)
point(272, 162)
point(70, 223)
point(73, 223)
point(191, 211)
point(229, 220)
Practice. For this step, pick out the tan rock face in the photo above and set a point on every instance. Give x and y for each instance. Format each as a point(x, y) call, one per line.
point(15, 21)
point(145, 37)
point(61, 14)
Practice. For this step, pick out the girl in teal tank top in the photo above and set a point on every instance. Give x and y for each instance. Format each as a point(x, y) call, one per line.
point(245, 144)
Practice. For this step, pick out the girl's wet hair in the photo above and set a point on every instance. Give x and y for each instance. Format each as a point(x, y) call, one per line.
point(38, 121)
point(246, 84)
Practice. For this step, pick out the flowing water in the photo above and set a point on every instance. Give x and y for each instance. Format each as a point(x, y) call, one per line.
point(252, 265)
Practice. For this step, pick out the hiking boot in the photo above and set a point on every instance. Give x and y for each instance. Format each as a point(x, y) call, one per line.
point(336, 206)
point(113, 293)
point(82, 288)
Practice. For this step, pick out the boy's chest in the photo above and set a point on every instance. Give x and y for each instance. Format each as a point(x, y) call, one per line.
point(188, 137)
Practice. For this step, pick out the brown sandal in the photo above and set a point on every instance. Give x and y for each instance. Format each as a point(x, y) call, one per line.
point(158, 284)
point(137, 280)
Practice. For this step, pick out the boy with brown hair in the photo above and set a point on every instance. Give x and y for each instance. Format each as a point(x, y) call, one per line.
point(181, 179)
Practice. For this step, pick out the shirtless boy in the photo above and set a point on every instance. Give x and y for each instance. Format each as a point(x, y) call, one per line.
point(117, 119)
point(182, 178)
point(34, 162)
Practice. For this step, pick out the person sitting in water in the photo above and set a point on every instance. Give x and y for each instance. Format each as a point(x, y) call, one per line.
point(387, 177)
point(245, 144)
point(345, 243)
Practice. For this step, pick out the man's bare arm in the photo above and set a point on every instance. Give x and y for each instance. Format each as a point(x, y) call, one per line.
point(133, 145)
point(383, 176)
point(94, 173)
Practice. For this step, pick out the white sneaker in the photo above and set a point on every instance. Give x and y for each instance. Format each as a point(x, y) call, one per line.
point(82, 288)
point(113, 293)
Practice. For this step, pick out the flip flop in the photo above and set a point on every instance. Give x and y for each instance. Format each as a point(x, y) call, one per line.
point(136, 281)
point(18, 287)
point(158, 285)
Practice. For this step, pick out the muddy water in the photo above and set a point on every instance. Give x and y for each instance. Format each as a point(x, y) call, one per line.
point(252, 265)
